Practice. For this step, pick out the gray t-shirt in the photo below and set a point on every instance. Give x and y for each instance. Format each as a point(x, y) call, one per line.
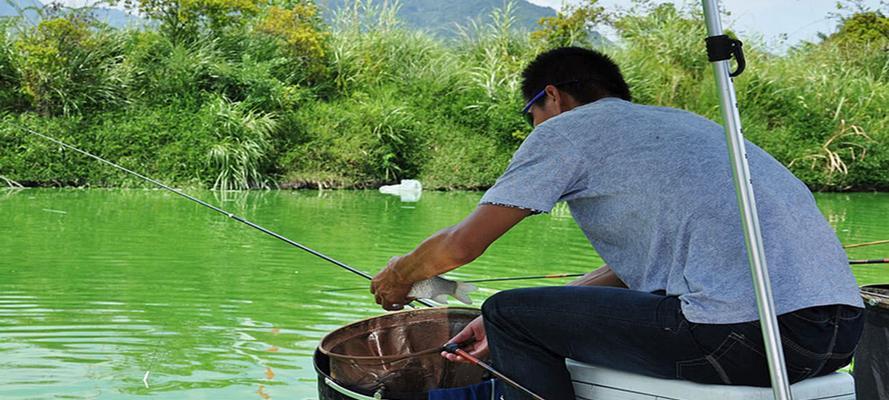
point(651, 188)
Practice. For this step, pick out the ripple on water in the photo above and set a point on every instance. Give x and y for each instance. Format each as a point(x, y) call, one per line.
point(133, 281)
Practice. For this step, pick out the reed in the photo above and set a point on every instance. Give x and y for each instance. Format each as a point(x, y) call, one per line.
point(242, 141)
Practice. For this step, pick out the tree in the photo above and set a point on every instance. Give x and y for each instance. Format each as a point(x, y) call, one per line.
point(863, 28)
point(183, 20)
point(298, 30)
point(572, 26)
point(67, 64)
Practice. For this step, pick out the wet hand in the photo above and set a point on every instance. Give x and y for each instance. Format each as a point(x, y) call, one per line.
point(478, 349)
point(389, 288)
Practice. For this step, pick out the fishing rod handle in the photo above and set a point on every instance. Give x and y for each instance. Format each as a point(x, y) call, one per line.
point(454, 348)
point(496, 373)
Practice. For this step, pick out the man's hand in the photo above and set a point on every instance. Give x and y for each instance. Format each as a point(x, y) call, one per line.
point(445, 250)
point(478, 349)
point(389, 287)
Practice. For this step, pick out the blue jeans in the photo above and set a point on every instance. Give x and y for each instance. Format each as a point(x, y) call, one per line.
point(532, 331)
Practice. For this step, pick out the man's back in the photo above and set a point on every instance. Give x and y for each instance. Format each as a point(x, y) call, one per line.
point(651, 188)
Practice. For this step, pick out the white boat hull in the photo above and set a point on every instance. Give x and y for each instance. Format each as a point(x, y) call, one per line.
point(597, 383)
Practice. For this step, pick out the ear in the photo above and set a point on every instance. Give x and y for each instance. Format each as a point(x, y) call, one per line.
point(557, 96)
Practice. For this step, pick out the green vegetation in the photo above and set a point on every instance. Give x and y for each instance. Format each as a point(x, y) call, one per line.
point(239, 94)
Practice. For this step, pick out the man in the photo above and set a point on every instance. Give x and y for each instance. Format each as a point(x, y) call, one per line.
point(651, 188)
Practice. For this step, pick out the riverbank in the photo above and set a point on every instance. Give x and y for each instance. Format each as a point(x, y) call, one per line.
point(280, 99)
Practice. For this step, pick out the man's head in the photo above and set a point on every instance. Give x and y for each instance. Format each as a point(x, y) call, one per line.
point(561, 79)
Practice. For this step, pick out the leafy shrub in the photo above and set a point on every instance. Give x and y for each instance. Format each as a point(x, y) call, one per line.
point(867, 27)
point(10, 80)
point(300, 35)
point(67, 66)
point(190, 20)
point(241, 142)
point(489, 98)
point(662, 59)
point(572, 26)
point(361, 140)
point(168, 72)
point(829, 104)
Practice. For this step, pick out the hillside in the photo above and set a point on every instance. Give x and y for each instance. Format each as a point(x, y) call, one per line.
point(11, 8)
point(111, 16)
point(435, 16)
point(442, 17)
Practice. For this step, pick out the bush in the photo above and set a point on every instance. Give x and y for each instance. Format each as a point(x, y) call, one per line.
point(10, 80)
point(830, 106)
point(241, 142)
point(68, 65)
point(663, 57)
point(300, 36)
point(167, 72)
point(189, 21)
point(359, 141)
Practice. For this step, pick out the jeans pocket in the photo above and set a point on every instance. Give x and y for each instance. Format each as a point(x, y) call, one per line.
point(813, 315)
point(735, 361)
point(849, 313)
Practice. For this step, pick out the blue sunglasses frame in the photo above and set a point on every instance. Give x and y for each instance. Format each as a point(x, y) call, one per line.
point(539, 95)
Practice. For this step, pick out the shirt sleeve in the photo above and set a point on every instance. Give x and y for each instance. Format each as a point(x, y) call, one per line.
point(545, 169)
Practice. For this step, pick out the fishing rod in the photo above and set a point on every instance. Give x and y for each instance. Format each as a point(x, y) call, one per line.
point(556, 276)
point(852, 246)
point(504, 279)
point(874, 261)
point(522, 278)
point(214, 208)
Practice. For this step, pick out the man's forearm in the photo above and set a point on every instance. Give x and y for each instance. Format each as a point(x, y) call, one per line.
point(440, 253)
point(460, 244)
point(445, 250)
point(603, 276)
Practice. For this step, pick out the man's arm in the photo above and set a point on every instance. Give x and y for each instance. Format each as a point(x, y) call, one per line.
point(447, 249)
point(603, 276)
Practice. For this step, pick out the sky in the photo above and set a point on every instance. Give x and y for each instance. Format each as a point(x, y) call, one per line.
point(799, 20)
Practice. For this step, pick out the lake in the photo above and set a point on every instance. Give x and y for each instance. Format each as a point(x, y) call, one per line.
point(99, 287)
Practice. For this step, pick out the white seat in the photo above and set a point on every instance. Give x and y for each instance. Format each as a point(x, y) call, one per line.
point(597, 383)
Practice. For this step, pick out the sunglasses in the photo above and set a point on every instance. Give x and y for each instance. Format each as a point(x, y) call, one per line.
point(525, 111)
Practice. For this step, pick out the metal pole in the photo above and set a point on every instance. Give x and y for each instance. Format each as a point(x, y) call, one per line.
point(749, 217)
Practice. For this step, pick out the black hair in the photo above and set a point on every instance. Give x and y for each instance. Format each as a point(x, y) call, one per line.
point(587, 75)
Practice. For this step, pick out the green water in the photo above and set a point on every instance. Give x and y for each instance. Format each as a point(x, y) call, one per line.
point(99, 287)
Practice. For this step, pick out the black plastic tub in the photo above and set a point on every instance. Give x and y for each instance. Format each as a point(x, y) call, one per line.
point(872, 357)
point(330, 390)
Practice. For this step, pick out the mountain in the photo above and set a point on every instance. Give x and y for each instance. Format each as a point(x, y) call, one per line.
point(12, 8)
point(30, 9)
point(441, 17)
point(117, 18)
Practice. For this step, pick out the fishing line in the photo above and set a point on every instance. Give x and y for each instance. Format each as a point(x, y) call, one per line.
point(212, 207)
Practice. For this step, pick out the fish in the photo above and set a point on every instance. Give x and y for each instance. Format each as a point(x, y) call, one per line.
point(438, 289)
